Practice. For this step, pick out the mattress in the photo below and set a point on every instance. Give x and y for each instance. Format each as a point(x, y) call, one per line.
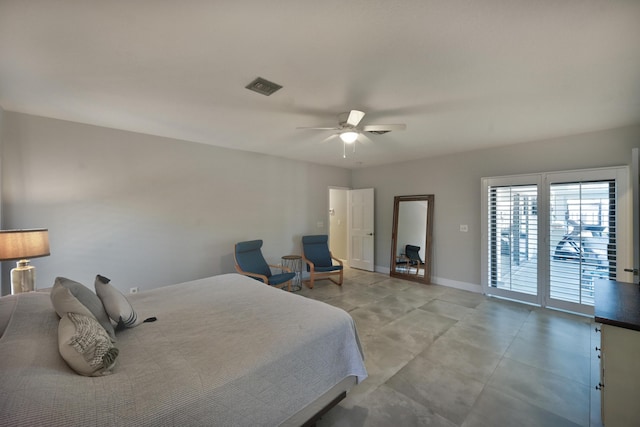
point(225, 350)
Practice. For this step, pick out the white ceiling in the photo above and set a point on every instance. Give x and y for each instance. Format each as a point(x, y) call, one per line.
point(461, 74)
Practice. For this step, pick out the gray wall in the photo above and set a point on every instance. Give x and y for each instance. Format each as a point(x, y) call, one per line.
point(148, 211)
point(455, 182)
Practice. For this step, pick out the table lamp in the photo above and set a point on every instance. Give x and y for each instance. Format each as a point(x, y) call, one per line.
point(18, 245)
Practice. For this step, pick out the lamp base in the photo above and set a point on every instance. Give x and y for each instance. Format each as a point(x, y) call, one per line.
point(23, 278)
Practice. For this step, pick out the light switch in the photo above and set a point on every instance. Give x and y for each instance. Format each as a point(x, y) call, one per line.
point(464, 228)
point(319, 224)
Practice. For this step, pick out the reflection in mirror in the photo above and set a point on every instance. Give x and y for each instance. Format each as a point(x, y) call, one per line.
point(412, 231)
point(411, 244)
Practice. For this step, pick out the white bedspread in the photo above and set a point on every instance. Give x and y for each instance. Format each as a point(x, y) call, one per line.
point(225, 350)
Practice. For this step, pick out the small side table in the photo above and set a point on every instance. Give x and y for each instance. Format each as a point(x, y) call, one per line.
point(294, 262)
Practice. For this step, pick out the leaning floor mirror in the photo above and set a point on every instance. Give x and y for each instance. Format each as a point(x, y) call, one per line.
point(411, 238)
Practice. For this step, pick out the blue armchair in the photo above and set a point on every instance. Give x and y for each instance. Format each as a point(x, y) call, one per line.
point(319, 260)
point(250, 262)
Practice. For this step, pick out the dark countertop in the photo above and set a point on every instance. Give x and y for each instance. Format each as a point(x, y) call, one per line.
point(617, 304)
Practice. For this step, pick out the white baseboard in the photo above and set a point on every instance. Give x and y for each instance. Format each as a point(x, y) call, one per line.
point(379, 269)
point(465, 286)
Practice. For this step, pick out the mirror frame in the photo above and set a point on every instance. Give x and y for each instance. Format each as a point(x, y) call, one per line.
point(429, 198)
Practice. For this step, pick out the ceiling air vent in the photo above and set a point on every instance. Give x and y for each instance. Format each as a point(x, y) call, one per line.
point(263, 86)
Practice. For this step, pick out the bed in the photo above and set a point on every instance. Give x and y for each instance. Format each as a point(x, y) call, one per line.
point(225, 350)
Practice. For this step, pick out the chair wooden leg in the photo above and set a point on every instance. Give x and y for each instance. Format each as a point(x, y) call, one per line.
point(326, 276)
point(310, 282)
point(337, 282)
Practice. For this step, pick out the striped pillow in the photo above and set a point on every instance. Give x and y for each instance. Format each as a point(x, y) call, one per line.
point(115, 304)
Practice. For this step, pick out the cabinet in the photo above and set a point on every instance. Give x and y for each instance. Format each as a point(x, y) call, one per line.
point(617, 307)
point(620, 376)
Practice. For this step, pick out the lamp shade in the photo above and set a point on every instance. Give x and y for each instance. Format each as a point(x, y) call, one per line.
point(24, 244)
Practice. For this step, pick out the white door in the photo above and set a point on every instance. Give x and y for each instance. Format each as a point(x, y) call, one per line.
point(635, 185)
point(360, 225)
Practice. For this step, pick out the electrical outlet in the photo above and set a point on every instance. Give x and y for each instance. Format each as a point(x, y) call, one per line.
point(133, 290)
point(464, 228)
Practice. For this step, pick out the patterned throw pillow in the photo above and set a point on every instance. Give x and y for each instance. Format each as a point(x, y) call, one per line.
point(116, 305)
point(85, 345)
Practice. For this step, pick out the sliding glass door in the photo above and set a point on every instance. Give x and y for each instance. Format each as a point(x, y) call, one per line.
point(589, 234)
point(582, 218)
point(512, 250)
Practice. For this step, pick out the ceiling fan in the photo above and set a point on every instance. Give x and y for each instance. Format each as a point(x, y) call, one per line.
point(348, 129)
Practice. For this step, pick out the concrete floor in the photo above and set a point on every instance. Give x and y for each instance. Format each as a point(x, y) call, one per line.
point(439, 356)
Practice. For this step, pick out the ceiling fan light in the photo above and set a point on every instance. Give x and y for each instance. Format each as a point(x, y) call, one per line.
point(349, 137)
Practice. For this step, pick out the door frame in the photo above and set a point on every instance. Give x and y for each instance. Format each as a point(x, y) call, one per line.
point(624, 248)
point(517, 180)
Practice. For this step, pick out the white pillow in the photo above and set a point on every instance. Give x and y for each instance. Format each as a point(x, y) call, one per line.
point(64, 302)
point(115, 304)
point(89, 300)
point(85, 345)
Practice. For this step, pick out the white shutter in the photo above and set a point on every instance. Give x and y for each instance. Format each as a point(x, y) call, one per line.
point(582, 243)
point(513, 238)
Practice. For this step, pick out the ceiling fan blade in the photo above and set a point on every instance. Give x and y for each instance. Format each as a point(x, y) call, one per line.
point(364, 139)
point(316, 128)
point(354, 118)
point(329, 138)
point(383, 128)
